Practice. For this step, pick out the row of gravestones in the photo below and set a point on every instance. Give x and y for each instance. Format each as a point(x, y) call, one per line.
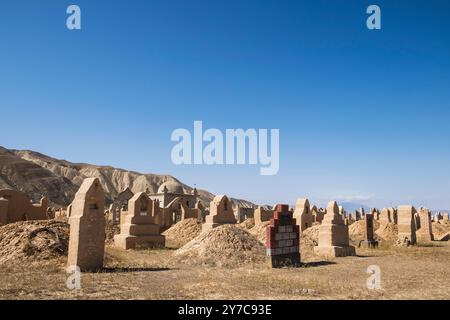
point(303, 214)
point(163, 215)
point(307, 215)
point(139, 225)
point(87, 228)
point(283, 236)
point(333, 232)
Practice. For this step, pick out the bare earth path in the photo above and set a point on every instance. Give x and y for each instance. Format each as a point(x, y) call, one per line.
point(407, 273)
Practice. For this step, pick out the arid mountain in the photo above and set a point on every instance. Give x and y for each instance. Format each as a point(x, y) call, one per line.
point(32, 179)
point(39, 175)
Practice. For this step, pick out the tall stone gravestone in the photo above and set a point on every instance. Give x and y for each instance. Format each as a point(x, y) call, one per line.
point(357, 215)
point(406, 225)
point(385, 216)
point(317, 214)
point(363, 213)
point(302, 214)
point(394, 215)
point(87, 227)
point(261, 215)
point(369, 240)
point(283, 238)
point(425, 233)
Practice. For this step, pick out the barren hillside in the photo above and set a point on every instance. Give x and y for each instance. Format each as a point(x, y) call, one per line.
point(37, 174)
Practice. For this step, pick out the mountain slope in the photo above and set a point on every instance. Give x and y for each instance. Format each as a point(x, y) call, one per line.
point(33, 179)
point(37, 174)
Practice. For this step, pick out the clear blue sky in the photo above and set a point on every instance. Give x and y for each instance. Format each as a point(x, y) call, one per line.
point(363, 115)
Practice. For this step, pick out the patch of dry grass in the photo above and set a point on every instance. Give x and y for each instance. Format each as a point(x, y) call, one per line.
point(407, 273)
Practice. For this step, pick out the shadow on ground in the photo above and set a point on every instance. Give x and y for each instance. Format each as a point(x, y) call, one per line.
point(133, 269)
point(317, 264)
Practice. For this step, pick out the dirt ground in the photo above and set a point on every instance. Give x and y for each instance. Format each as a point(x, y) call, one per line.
point(406, 273)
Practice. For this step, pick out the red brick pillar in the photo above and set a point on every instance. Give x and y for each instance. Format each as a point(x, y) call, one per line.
point(283, 239)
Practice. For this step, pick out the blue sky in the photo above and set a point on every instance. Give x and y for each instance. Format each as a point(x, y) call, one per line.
point(363, 115)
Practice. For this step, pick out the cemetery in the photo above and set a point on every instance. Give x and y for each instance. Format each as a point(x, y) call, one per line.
point(143, 248)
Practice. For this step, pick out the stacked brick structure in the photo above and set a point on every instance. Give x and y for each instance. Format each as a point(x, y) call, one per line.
point(282, 238)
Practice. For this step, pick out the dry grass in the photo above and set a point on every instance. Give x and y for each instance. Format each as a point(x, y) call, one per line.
point(407, 273)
